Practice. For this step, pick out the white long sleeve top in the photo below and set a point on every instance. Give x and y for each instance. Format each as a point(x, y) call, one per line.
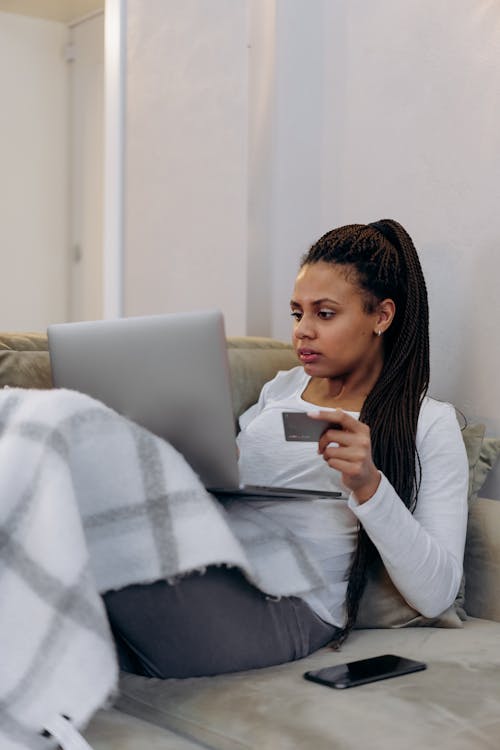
point(422, 552)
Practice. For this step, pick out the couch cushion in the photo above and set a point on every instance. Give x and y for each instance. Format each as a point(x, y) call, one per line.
point(482, 560)
point(453, 705)
point(24, 361)
point(488, 456)
point(473, 436)
point(114, 730)
point(382, 606)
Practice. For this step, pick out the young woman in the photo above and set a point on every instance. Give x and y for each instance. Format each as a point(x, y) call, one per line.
point(360, 329)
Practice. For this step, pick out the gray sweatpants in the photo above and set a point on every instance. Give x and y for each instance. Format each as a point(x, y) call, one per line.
point(209, 624)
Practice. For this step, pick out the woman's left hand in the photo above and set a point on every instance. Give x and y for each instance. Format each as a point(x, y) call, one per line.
point(352, 454)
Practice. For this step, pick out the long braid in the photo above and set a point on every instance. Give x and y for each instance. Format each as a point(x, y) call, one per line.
point(386, 265)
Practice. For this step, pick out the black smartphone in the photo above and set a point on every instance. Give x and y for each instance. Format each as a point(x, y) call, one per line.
point(298, 426)
point(365, 670)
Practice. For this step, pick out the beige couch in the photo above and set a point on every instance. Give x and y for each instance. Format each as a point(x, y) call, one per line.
point(454, 704)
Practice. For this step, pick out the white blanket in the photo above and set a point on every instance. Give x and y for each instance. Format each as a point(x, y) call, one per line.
point(92, 502)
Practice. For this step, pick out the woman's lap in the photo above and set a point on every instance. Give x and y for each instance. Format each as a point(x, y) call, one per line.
point(208, 624)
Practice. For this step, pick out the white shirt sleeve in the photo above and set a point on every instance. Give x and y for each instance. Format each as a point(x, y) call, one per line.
point(423, 552)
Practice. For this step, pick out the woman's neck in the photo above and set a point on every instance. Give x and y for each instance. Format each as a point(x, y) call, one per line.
point(340, 392)
point(328, 395)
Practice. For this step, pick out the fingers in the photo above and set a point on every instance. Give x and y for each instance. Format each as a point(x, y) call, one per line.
point(337, 417)
point(346, 447)
point(346, 431)
point(333, 438)
point(358, 472)
point(349, 460)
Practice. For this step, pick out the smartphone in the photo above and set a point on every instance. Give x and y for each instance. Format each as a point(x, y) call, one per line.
point(298, 426)
point(365, 670)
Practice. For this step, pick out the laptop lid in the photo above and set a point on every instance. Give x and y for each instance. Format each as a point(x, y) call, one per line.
point(169, 373)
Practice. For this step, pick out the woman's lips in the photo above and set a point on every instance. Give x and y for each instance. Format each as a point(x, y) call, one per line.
point(307, 356)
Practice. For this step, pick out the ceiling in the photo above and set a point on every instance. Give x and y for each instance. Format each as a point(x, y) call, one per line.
point(53, 10)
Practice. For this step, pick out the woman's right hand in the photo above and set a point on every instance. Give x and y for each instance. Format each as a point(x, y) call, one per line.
point(346, 447)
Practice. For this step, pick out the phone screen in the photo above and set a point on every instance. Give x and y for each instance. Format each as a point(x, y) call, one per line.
point(365, 670)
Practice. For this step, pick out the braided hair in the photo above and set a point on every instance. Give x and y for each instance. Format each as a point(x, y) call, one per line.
point(381, 258)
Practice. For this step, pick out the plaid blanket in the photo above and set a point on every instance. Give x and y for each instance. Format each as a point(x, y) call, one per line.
point(92, 502)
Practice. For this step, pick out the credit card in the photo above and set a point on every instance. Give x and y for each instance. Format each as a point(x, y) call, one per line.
point(301, 428)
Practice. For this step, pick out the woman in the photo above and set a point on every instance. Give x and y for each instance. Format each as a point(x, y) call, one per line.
point(361, 334)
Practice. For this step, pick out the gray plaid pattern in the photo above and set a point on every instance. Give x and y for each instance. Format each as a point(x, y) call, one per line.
point(92, 502)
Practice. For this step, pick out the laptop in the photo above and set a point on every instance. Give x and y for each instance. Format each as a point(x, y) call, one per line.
point(170, 374)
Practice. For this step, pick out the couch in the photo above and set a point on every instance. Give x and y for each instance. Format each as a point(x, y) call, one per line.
point(453, 705)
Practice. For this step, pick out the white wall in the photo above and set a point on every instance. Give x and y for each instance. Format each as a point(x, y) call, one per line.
point(33, 176)
point(398, 106)
point(349, 111)
point(186, 157)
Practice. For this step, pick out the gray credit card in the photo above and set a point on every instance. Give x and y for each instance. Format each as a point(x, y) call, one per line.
point(301, 428)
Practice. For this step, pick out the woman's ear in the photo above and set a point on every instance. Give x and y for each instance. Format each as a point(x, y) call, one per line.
point(386, 311)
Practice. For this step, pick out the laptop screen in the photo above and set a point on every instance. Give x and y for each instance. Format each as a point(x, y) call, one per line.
point(169, 373)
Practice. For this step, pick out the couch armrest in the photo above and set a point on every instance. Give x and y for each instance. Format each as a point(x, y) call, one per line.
point(482, 560)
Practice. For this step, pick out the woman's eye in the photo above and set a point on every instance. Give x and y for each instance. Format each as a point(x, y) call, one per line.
point(296, 314)
point(326, 314)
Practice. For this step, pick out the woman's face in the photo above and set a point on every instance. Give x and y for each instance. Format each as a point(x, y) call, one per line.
point(333, 334)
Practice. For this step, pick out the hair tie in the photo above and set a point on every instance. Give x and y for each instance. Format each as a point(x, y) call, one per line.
point(386, 231)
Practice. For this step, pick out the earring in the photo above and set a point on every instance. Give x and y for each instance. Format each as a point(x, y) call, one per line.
point(379, 332)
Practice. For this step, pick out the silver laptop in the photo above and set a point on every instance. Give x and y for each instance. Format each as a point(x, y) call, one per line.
point(170, 374)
